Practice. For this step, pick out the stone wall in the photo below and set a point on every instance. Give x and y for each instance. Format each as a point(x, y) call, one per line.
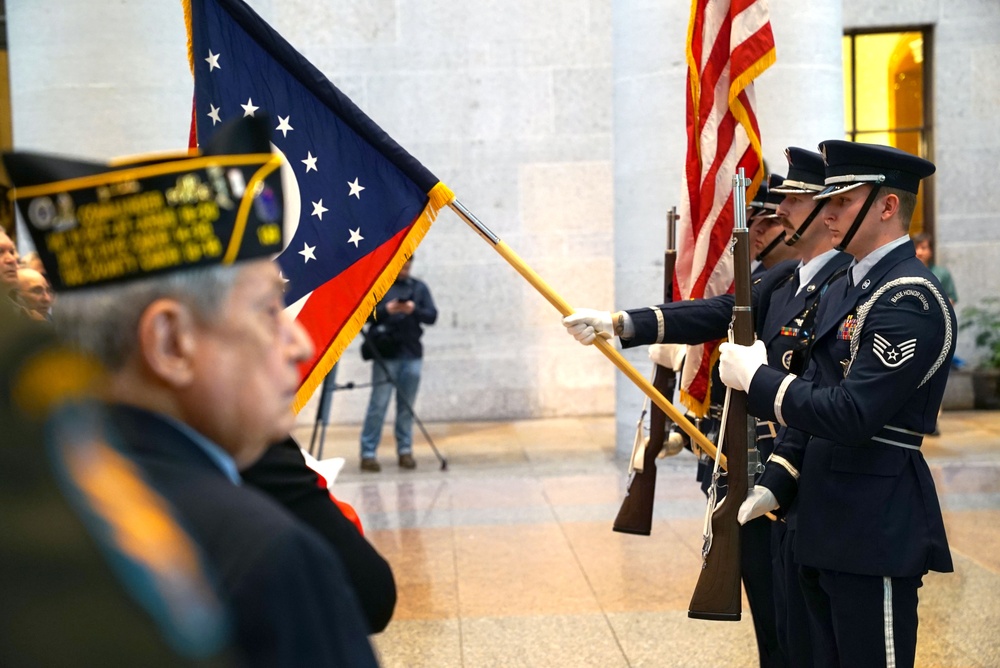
point(966, 134)
point(559, 124)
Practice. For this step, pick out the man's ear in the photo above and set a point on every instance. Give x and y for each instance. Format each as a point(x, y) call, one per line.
point(890, 206)
point(167, 341)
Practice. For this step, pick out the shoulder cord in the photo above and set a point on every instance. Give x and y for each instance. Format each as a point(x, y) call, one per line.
point(867, 307)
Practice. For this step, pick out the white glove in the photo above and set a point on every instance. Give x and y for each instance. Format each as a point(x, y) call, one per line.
point(669, 355)
point(738, 364)
point(586, 324)
point(759, 500)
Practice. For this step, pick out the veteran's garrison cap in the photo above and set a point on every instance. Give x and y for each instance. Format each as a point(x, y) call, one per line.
point(851, 164)
point(95, 223)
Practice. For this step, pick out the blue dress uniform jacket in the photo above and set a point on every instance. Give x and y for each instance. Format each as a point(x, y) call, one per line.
point(781, 319)
point(789, 322)
point(695, 321)
point(864, 497)
point(286, 589)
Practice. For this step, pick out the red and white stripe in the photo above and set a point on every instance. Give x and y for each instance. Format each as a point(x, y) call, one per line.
point(729, 44)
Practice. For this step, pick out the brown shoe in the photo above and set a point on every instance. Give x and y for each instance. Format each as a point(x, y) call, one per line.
point(370, 464)
point(407, 462)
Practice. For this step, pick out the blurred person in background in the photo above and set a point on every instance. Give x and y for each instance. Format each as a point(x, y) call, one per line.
point(35, 293)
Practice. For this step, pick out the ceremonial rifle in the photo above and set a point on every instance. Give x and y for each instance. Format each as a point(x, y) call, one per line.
point(636, 513)
point(717, 595)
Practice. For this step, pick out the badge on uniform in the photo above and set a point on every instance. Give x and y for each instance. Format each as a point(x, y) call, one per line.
point(893, 355)
point(789, 331)
point(846, 330)
point(95, 223)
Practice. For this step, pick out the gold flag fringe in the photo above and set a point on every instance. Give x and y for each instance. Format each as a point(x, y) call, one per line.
point(737, 85)
point(438, 198)
point(186, 5)
point(743, 116)
point(694, 82)
point(700, 407)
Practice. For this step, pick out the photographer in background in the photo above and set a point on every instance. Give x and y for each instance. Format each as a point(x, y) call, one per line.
point(394, 333)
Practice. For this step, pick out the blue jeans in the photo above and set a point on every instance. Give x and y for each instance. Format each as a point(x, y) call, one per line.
point(406, 374)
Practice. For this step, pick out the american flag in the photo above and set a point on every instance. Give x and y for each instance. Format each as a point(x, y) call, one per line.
point(729, 44)
point(357, 203)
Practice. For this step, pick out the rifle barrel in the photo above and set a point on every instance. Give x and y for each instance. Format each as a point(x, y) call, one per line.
point(636, 513)
point(717, 596)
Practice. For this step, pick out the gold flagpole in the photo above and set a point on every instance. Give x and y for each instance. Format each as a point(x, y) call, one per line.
point(603, 345)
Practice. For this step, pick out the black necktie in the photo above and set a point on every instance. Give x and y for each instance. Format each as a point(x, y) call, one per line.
point(796, 282)
point(850, 278)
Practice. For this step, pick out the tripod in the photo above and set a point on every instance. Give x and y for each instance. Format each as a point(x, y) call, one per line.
point(323, 412)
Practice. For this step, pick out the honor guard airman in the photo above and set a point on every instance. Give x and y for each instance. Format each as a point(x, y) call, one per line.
point(767, 236)
point(787, 333)
point(699, 321)
point(849, 468)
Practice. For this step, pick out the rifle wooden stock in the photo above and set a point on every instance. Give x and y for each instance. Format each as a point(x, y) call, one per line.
point(717, 596)
point(636, 513)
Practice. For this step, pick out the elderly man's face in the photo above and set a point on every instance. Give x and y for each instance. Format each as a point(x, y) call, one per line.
point(36, 295)
point(246, 367)
point(8, 263)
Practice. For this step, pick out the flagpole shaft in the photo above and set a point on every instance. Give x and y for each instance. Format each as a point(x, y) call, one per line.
point(603, 345)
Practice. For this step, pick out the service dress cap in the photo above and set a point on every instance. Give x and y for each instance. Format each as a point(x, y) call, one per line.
point(806, 172)
point(756, 205)
point(851, 164)
point(765, 203)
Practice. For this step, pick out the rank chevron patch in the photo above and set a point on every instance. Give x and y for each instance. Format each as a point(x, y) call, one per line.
point(893, 355)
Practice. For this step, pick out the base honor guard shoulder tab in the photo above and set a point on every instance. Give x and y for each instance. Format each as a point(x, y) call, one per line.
point(911, 294)
point(907, 287)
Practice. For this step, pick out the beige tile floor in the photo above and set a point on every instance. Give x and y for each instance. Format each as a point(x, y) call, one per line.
point(507, 558)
